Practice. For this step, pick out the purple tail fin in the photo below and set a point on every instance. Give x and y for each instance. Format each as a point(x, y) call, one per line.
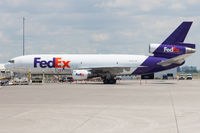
point(179, 34)
point(174, 45)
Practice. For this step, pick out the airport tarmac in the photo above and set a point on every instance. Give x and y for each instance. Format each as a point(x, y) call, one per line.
point(155, 106)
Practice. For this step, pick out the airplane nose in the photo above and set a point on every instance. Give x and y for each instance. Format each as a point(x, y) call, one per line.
point(10, 65)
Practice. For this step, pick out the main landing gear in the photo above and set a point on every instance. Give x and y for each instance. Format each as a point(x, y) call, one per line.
point(109, 81)
point(108, 78)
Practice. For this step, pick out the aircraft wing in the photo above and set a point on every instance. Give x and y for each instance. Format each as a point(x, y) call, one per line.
point(113, 70)
point(176, 60)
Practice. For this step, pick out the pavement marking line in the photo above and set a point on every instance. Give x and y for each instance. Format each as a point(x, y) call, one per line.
point(89, 119)
point(174, 110)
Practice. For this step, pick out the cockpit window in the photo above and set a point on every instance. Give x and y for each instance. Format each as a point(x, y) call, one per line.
point(11, 61)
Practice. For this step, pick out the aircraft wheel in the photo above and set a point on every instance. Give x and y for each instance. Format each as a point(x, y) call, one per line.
point(111, 81)
point(105, 81)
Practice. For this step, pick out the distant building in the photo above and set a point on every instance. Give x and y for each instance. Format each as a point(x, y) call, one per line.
point(189, 69)
point(2, 69)
point(171, 73)
point(3, 72)
point(179, 69)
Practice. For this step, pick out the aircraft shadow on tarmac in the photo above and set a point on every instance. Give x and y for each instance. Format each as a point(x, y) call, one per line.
point(95, 84)
point(101, 83)
point(163, 83)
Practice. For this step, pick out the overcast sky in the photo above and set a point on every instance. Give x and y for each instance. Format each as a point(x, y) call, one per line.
point(94, 26)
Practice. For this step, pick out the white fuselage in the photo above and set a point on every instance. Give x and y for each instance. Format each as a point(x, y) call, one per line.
point(66, 63)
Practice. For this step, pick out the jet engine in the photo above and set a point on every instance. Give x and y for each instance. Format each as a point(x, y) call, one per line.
point(81, 74)
point(171, 50)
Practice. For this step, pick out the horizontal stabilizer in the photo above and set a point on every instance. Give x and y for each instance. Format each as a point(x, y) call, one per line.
point(176, 60)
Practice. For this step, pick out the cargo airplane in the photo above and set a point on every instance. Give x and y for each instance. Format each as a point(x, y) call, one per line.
point(169, 54)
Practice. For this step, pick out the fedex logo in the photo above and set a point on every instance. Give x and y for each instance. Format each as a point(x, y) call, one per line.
point(55, 63)
point(79, 74)
point(171, 50)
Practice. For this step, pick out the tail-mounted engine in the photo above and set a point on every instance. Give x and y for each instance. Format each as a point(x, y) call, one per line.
point(165, 50)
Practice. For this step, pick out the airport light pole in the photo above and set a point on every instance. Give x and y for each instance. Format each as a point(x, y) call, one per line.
point(23, 36)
